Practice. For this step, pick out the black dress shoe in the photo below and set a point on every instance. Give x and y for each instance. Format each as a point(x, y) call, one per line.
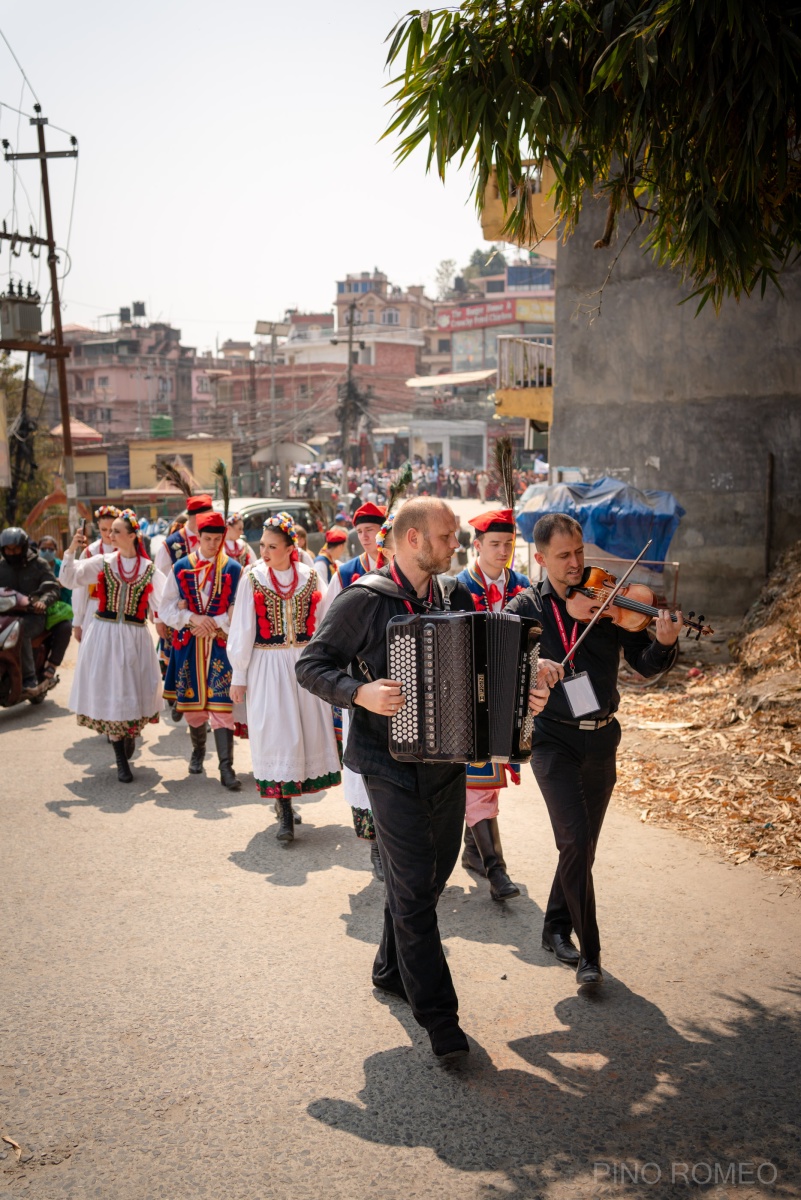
point(561, 945)
point(589, 972)
point(393, 987)
point(448, 1041)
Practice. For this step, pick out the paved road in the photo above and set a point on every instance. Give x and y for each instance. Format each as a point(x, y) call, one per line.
point(186, 1011)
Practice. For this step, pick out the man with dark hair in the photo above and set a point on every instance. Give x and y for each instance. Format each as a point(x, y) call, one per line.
point(418, 808)
point(574, 758)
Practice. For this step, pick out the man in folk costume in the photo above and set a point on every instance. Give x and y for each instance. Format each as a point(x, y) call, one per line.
point(84, 599)
point(492, 585)
point(327, 561)
point(197, 604)
point(175, 547)
point(367, 521)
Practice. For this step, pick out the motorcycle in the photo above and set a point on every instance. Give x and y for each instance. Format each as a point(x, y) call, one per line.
point(11, 689)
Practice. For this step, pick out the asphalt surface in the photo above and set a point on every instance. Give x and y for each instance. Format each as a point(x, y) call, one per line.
point(186, 1009)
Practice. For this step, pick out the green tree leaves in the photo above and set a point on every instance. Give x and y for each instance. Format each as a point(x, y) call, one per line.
point(684, 111)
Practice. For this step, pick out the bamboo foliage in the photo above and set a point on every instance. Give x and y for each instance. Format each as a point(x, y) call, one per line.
point(682, 111)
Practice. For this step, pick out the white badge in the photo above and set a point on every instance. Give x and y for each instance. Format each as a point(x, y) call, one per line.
point(580, 694)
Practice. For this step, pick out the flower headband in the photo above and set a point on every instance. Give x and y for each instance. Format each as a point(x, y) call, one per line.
point(386, 528)
point(130, 516)
point(284, 522)
point(233, 518)
point(107, 510)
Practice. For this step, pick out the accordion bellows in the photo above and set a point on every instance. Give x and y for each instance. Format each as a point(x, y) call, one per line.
point(466, 678)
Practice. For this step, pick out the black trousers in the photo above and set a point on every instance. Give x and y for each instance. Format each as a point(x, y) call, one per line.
point(576, 772)
point(419, 837)
point(32, 625)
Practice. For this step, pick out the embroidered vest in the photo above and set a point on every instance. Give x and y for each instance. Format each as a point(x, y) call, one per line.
point(515, 582)
point(226, 577)
point(117, 600)
point(353, 569)
point(177, 546)
point(272, 631)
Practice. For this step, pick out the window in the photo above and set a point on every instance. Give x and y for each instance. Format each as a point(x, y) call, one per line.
point(371, 316)
point(303, 389)
point(91, 483)
point(102, 381)
point(496, 285)
point(203, 385)
point(390, 316)
point(279, 391)
point(443, 346)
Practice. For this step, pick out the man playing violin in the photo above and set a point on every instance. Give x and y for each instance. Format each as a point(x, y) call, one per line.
point(574, 757)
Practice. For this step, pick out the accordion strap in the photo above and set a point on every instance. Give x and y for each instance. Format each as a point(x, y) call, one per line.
point(382, 585)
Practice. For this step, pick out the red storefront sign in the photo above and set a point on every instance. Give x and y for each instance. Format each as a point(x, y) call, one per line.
point(477, 316)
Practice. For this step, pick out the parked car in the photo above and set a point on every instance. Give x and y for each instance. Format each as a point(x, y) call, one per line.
point(255, 511)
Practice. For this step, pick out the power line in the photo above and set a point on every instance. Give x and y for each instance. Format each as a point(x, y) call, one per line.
point(19, 64)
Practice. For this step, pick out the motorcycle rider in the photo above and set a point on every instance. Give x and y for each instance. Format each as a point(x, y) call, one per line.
point(24, 572)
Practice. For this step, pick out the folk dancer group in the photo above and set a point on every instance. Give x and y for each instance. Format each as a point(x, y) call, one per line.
point(279, 638)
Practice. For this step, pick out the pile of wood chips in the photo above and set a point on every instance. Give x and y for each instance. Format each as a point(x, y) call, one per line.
point(715, 751)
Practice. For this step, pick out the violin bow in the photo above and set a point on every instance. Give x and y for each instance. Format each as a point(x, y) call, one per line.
point(609, 600)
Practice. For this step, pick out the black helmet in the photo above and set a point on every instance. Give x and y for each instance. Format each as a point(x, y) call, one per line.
point(14, 536)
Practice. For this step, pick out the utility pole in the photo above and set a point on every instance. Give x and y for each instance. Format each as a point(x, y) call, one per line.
point(347, 406)
point(61, 366)
point(60, 350)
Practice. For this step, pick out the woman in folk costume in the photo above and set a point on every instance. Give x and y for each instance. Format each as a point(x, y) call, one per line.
point(196, 604)
point(353, 784)
point(235, 545)
point(292, 741)
point(117, 684)
point(492, 584)
point(331, 553)
point(84, 599)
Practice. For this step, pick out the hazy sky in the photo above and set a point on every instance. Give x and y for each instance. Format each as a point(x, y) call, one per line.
point(229, 158)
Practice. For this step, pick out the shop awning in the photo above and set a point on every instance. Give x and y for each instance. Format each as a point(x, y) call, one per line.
point(457, 379)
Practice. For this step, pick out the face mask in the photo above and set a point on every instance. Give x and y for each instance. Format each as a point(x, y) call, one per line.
point(13, 560)
point(50, 555)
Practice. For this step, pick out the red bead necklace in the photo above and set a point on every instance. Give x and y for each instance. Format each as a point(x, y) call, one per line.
point(285, 594)
point(127, 578)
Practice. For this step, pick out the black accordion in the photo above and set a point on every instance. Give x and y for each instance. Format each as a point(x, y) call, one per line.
point(466, 678)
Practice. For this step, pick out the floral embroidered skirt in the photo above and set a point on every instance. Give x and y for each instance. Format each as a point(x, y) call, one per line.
point(117, 730)
point(117, 684)
point(292, 743)
point(271, 789)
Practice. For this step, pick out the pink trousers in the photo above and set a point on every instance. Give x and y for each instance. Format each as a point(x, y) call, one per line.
point(217, 720)
point(482, 805)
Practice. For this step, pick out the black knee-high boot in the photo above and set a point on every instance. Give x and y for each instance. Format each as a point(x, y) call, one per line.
point(123, 770)
point(488, 840)
point(224, 741)
point(286, 824)
point(198, 735)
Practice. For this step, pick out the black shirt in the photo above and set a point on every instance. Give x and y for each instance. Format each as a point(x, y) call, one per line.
point(598, 655)
point(354, 628)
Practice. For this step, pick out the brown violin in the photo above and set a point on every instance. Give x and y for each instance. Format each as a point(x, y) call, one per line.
point(633, 607)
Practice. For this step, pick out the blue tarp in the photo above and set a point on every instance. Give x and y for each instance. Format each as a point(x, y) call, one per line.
point(614, 516)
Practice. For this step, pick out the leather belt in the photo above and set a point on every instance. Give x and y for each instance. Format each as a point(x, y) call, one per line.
point(585, 725)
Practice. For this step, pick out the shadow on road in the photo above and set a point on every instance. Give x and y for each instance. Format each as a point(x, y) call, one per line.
point(614, 1089)
point(32, 716)
point(471, 915)
point(316, 848)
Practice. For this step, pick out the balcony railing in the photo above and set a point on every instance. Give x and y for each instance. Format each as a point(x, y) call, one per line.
point(525, 362)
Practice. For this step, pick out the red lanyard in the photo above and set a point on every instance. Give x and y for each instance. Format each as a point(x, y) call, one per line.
point(568, 645)
point(397, 579)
